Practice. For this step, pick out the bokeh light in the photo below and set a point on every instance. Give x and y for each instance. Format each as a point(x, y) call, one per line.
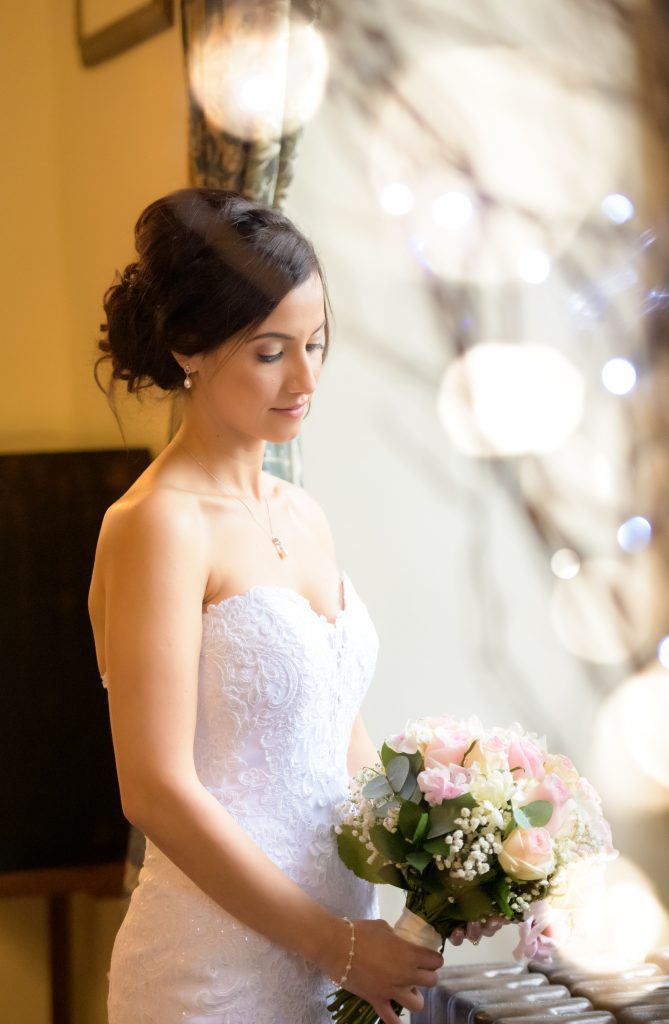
point(604, 614)
point(617, 207)
point(262, 82)
point(634, 534)
point(502, 399)
point(565, 564)
point(452, 210)
point(663, 652)
point(396, 198)
point(619, 376)
point(540, 153)
point(533, 265)
point(600, 941)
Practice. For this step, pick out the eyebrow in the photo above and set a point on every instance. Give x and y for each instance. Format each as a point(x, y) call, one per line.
point(283, 337)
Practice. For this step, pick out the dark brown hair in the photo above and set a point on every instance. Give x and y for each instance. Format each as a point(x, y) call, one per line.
point(210, 265)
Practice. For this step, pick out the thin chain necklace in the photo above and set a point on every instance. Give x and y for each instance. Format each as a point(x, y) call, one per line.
point(280, 549)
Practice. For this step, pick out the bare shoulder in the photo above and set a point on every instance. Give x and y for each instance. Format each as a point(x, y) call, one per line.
point(160, 517)
point(148, 531)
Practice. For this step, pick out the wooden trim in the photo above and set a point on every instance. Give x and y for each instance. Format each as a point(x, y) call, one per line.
point(94, 879)
point(149, 19)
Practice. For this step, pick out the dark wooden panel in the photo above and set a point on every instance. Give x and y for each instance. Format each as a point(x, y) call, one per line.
point(59, 803)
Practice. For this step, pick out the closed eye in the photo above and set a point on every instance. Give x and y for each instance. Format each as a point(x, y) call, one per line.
point(311, 347)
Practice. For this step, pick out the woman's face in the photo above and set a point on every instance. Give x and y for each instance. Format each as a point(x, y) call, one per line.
point(259, 387)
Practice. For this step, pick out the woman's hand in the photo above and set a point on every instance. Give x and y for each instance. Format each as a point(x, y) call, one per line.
point(385, 967)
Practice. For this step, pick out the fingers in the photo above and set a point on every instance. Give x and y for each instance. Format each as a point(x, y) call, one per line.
point(387, 1014)
point(410, 998)
point(427, 979)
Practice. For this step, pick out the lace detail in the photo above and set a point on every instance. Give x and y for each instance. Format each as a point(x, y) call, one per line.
point(279, 688)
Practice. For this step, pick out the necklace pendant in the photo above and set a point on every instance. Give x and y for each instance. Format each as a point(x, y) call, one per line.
point(281, 551)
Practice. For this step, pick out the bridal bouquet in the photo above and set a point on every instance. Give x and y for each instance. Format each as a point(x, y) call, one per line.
point(480, 827)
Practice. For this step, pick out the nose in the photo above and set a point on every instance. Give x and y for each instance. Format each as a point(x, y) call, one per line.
point(303, 375)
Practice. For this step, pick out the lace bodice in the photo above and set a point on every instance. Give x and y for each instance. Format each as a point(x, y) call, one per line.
point(279, 688)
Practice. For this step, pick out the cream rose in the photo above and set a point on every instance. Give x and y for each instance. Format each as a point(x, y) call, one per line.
point(527, 854)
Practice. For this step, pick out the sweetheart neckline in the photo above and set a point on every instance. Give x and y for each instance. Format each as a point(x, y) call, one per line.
point(291, 591)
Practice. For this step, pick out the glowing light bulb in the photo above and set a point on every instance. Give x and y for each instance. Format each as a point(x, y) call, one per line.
point(617, 207)
point(663, 652)
point(262, 81)
point(634, 534)
point(452, 210)
point(565, 564)
point(396, 198)
point(533, 266)
point(619, 376)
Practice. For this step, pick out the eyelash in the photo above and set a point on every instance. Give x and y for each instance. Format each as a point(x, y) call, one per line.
point(272, 359)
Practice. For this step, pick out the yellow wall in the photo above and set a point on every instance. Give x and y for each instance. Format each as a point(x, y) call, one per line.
point(84, 151)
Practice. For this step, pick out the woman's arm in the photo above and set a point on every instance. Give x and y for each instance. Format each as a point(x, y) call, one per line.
point(361, 751)
point(153, 557)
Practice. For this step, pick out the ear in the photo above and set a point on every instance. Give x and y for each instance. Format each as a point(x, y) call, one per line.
point(194, 361)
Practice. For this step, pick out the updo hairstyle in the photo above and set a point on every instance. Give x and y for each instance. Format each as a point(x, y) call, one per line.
point(210, 264)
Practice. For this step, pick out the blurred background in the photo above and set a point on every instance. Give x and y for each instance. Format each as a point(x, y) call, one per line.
point(487, 186)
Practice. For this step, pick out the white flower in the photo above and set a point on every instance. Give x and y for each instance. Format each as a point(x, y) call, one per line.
point(493, 790)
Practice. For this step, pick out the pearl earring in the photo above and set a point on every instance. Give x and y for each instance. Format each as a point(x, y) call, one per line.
point(188, 383)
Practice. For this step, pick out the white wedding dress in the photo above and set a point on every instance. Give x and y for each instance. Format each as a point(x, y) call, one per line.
point(279, 688)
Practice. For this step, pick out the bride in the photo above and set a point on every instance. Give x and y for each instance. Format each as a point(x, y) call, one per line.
point(234, 653)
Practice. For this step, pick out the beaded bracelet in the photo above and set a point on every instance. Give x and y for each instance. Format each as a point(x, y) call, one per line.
point(344, 978)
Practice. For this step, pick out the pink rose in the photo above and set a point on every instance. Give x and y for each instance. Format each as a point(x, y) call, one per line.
point(559, 796)
point(527, 756)
point(489, 753)
point(402, 744)
point(439, 784)
point(527, 854)
point(447, 747)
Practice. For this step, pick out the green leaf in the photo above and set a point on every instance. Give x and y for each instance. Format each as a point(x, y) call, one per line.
point(397, 771)
point(538, 813)
point(387, 754)
point(390, 844)
point(437, 845)
point(377, 787)
point(409, 788)
point(520, 818)
point(390, 875)
point(416, 762)
point(510, 826)
point(410, 815)
point(421, 827)
point(417, 795)
point(418, 859)
point(354, 854)
point(501, 890)
point(442, 817)
point(382, 810)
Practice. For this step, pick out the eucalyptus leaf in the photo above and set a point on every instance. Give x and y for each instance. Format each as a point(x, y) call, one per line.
point(382, 810)
point(417, 795)
point(377, 787)
point(397, 771)
point(409, 787)
point(521, 819)
point(390, 844)
point(538, 813)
